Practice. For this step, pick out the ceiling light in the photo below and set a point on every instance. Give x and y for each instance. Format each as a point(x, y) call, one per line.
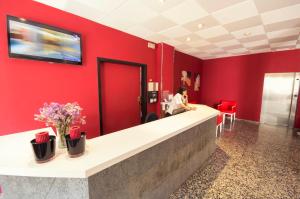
point(247, 34)
point(162, 1)
point(22, 19)
point(188, 39)
point(200, 25)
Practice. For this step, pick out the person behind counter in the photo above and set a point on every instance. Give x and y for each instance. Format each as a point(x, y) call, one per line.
point(179, 101)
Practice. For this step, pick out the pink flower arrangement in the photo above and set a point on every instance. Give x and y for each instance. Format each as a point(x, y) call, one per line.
point(55, 114)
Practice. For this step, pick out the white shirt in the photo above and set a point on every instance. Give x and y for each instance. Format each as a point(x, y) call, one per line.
point(175, 103)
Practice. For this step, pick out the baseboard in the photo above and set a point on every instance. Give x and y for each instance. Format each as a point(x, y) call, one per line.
point(251, 121)
point(256, 122)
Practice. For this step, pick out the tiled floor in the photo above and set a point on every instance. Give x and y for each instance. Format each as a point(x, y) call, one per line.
point(251, 161)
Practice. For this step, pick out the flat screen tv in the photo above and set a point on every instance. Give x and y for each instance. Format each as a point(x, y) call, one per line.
point(32, 40)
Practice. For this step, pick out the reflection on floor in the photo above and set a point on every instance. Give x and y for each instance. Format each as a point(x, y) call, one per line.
point(251, 161)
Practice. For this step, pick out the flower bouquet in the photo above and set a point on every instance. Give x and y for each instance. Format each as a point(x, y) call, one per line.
point(61, 116)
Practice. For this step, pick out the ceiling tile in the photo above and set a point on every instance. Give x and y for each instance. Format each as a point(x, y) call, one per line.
point(253, 38)
point(191, 50)
point(227, 43)
point(207, 22)
point(158, 23)
point(265, 46)
point(260, 50)
point(236, 12)
point(221, 54)
point(212, 32)
point(282, 48)
point(214, 5)
point(238, 50)
point(102, 6)
point(174, 32)
point(233, 47)
point(140, 31)
point(206, 47)
point(56, 4)
point(172, 42)
point(256, 43)
point(257, 30)
point(243, 24)
point(199, 43)
point(283, 33)
point(293, 23)
point(129, 9)
point(201, 54)
point(158, 38)
point(185, 12)
point(157, 5)
point(215, 51)
point(264, 6)
point(192, 37)
point(183, 46)
point(84, 10)
point(120, 24)
point(194, 54)
point(283, 14)
point(283, 39)
point(220, 38)
point(283, 44)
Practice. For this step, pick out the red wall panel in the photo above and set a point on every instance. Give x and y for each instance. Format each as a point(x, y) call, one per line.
point(241, 78)
point(189, 63)
point(26, 84)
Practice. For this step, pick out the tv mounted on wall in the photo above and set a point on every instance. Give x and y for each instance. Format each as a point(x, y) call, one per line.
point(32, 40)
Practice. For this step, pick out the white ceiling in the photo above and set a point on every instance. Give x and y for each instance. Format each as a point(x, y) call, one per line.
point(230, 27)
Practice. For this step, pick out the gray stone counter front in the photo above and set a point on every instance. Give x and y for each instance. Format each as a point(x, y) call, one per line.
point(153, 173)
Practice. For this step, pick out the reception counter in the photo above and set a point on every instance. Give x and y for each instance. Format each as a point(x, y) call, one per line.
point(146, 161)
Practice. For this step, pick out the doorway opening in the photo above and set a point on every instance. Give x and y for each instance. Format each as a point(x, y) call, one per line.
point(122, 94)
point(279, 101)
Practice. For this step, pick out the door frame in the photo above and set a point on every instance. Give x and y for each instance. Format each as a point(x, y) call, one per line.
point(293, 109)
point(143, 100)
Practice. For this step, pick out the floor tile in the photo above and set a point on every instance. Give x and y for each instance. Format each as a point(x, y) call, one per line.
point(252, 161)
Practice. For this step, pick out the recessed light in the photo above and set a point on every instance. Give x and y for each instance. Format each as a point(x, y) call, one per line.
point(247, 34)
point(188, 39)
point(22, 19)
point(200, 25)
point(162, 1)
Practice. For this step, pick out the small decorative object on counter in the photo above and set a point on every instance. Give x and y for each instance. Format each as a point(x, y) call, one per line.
point(76, 146)
point(42, 137)
point(74, 132)
point(44, 151)
point(61, 116)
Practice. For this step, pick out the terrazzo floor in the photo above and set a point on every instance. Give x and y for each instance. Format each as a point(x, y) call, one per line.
point(251, 161)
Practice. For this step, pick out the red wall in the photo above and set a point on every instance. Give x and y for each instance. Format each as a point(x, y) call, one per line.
point(189, 63)
point(26, 84)
point(241, 78)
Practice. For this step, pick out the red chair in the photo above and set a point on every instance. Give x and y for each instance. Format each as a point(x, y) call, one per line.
point(220, 120)
point(228, 108)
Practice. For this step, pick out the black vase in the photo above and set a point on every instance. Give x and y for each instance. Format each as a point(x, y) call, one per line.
point(44, 152)
point(76, 147)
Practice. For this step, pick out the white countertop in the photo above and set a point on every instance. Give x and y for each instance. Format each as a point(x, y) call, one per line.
point(16, 156)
